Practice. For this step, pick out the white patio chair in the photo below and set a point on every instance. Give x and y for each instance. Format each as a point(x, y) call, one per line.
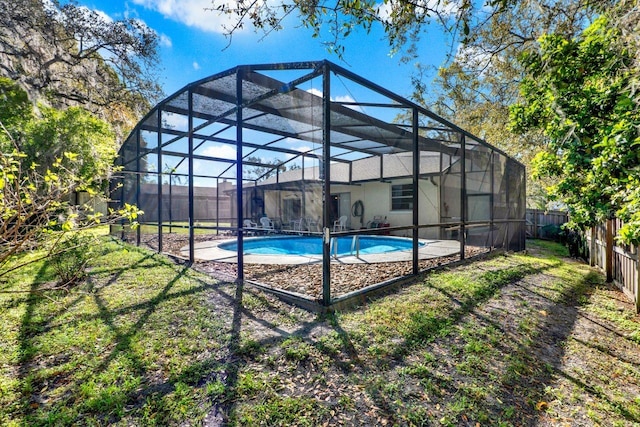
point(340, 224)
point(249, 226)
point(313, 224)
point(267, 224)
point(297, 224)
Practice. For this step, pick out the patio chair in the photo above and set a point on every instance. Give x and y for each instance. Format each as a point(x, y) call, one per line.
point(340, 224)
point(313, 224)
point(297, 224)
point(249, 226)
point(267, 224)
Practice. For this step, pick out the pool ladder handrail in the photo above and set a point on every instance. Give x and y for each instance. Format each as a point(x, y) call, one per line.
point(355, 244)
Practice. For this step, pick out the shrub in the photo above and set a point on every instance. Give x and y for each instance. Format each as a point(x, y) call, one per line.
point(71, 257)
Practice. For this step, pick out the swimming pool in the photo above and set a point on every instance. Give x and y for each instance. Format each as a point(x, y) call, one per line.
point(312, 245)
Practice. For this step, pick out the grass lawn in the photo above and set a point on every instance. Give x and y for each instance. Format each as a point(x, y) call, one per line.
point(183, 227)
point(518, 339)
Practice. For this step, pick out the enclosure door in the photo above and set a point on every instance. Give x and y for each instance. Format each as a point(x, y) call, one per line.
point(340, 205)
point(292, 209)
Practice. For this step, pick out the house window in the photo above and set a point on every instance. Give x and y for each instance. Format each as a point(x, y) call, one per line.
point(402, 197)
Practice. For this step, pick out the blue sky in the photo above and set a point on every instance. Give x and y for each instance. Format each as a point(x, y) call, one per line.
point(193, 46)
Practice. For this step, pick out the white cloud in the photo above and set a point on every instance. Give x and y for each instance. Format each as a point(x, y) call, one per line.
point(302, 149)
point(101, 14)
point(343, 98)
point(443, 7)
point(204, 167)
point(314, 91)
point(384, 11)
point(474, 58)
point(165, 40)
point(196, 66)
point(223, 151)
point(339, 98)
point(175, 121)
point(349, 99)
point(194, 13)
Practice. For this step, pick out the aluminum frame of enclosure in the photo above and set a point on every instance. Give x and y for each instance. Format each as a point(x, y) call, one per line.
point(302, 139)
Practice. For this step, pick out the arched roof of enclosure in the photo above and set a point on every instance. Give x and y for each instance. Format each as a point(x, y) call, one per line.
point(284, 109)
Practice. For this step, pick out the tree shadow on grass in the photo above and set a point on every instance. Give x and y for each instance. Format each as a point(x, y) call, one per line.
point(561, 321)
point(519, 380)
point(496, 360)
point(479, 361)
point(456, 385)
point(424, 327)
point(27, 350)
point(49, 386)
point(223, 367)
point(39, 373)
point(428, 329)
point(344, 354)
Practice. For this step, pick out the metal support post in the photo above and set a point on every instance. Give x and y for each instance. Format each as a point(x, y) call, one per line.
point(239, 183)
point(192, 253)
point(415, 189)
point(326, 188)
point(160, 192)
point(463, 194)
point(492, 201)
point(138, 182)
point(609, 251)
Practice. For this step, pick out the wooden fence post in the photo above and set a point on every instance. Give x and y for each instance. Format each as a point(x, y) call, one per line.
point(609, 251)
point(636, 291)
point(592, 247)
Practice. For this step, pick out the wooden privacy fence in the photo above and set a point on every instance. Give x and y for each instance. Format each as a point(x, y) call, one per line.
point(619, 262)
point(543, 224)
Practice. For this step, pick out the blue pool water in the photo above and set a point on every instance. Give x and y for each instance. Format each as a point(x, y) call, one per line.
point(312, 245)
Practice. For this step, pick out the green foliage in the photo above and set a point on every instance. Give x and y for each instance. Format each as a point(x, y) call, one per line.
point(295, 349)
point(15, 110)
point(71, 258)
point(42, 165)
point(476, 86)
point(579, 93)
point(333, 21)
point(83, 142)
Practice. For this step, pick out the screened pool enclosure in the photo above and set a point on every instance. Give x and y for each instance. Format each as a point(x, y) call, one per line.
point(270, 153)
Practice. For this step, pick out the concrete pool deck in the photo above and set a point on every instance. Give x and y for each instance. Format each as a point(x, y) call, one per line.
point(209, 251)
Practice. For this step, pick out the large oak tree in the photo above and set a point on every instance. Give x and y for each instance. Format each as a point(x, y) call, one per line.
point(69, 55)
